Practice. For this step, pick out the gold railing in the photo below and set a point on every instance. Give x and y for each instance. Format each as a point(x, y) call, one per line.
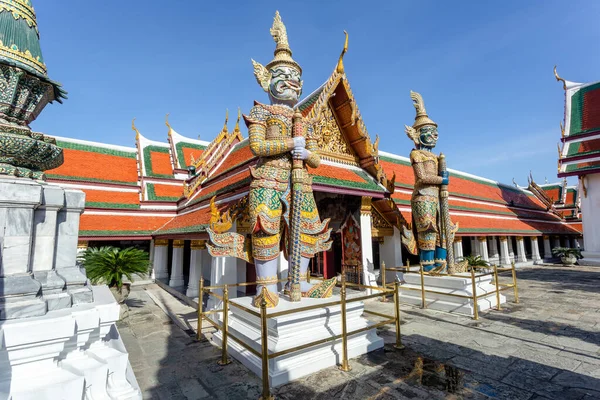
point(474, 297)
point(262, 314)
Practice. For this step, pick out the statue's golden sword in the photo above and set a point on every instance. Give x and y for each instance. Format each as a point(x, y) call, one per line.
point(447, 233)
point(299, 178)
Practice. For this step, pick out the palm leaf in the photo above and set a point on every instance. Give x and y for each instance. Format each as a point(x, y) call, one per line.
point(109, 264)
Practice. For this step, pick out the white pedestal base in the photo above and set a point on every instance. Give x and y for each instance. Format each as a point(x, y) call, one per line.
point(296, 329)
point(453, 285)
point(590, 258)
point(72, 353)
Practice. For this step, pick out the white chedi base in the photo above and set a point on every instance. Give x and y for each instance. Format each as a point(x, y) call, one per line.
point(590, 259)
point(294, 330)
point(73, 353)
point(453, 285)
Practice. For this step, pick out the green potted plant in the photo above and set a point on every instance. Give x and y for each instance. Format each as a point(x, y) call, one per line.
point(476, 261)
point(109, 265)
point(568, 255)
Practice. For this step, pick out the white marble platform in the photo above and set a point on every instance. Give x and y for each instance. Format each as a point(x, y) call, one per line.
point(450, 285)
point(296, 329)
point(71, 353)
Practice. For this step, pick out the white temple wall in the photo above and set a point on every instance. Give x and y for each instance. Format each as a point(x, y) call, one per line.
point(590, 214)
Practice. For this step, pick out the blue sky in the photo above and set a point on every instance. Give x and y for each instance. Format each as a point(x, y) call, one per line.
point(484, 69)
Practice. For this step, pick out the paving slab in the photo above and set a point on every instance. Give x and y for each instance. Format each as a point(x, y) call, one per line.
point(545, 347)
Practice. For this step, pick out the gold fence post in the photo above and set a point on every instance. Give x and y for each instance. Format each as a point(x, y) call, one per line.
point(384, 297)
point(498, 307)
point(200, 307)
point(398, 344)
point(475, 310)
point(344, 366)
point(224, 359)
point(308, 275)
point(264, 346)
point(423, 304)
point(514, 276)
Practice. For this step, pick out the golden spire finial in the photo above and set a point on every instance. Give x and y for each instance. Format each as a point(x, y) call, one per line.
point(340, 65)
point(237, 123)
point(422, 118)
point(226, 120)
point(558, 78)
point(168, 125)
point(559, 151)
point(137, 133)
point(279, 32)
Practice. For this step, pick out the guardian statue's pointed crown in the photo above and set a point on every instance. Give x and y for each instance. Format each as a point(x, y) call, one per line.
point(282, 55)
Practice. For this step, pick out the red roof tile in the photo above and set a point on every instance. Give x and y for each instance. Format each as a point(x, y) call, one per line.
point(96, 167)
point(119, 225)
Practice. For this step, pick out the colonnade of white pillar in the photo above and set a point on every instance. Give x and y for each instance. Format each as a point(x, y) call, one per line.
point(226, 270)
point(175, 279)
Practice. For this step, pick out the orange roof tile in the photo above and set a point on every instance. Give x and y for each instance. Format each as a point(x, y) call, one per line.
point(110, 199)
point(240, 155)
point(192, 222)
point(163, 192)
point(119, 225)
point(161, 163)
point(96, 167)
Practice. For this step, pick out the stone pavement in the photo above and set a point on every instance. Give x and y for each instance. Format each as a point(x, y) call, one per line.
point(546, 347)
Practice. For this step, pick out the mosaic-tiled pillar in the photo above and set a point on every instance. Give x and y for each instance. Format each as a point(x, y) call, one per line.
point(196, 248)
point(521, 257)
point(475, 251)
point(504, 253)
point(547, 248)
point(176, 279)
point(511, 251)
point(483, 249)
point(493, 249)
point(556, 242)
point(535, 250)
point(458, 248)
point(160, 259)
point(366, 243)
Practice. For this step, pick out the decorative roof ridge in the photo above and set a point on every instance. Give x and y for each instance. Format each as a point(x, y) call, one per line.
point(568, 85)
point(96, 144)
point(550, 184)
point(145, 142)
point(311, 95)
point(540, 193)
point(178, 137)
point(392, 155)
point(352, 167)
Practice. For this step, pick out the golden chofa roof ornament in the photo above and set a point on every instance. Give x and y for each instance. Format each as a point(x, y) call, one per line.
point(283, 54)
point(422, 118)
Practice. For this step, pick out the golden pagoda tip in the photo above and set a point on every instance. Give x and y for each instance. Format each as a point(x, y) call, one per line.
point(167, 123)
point(137, 133)
point(226, 120)
point(340, 65)
point(558, 78)
point(237, 123)
point(559, 151)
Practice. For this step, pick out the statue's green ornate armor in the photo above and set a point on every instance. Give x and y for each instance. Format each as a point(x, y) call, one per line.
point(269, 130)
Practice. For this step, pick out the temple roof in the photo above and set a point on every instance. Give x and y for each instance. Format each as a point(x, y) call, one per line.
point(580, 152)
point(147, 191)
